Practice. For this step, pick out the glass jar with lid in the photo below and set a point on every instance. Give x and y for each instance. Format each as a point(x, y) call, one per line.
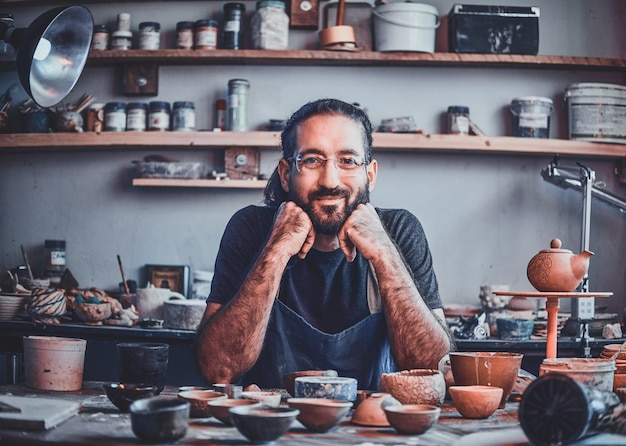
point(270, 26)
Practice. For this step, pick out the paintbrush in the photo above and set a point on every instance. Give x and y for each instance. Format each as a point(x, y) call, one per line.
point(119, 262)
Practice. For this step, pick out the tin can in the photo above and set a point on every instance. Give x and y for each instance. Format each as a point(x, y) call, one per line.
point(115, 117)
point(184, 35)
point(232, 34)
point(101, 37)
point(458, 120)
point(136, 116)
point(159, 116)
point(237, 112)
point(184, 116)
point(205, 35)
point(149, 35)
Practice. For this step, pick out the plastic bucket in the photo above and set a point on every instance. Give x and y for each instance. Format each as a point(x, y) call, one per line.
point(531, 116)
point(54, 363)
point(595, 372)
point(405, 27)
point(596, 112)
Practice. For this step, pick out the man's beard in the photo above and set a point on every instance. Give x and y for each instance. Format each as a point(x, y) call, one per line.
point(329, 219)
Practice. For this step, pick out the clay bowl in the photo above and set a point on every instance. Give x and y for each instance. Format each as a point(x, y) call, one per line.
point(412, 419)
point(160, 419)
point(497, 369)
point(46, 305)
point(417, 386)
point(199, 401)
point(476, 401)
point(289, 379)
point(262, 424)
point(92, 314)
point(123, 395)
point(320, 414)
point(267, 398)
point(220, 408)
point(370, 411)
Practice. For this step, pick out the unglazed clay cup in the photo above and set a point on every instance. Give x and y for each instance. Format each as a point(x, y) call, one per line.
point(476, 401)
point(417, 386)
point(497, 369)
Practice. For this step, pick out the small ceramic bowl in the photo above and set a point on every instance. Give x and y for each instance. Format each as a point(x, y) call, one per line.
point(267, 398)
point(199, 400)
point(417, 386)
point(123, 395)
point(412, 419)
point(92, 314)
point(476, 401)
point(371, 410)
point(220, 408)
point(320, 414)
point(262, 424)
point(289, 379)
point(160, 419)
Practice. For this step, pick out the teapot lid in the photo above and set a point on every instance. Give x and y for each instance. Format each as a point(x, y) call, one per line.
point(555, 247)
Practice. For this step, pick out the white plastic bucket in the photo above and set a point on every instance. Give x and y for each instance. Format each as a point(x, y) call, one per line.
point(54, 363)
point(405, 27)
point(531, 116)
point(594, 372)
point(596, 112)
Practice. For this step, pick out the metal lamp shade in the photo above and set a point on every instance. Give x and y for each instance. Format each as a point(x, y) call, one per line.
point(52, 53)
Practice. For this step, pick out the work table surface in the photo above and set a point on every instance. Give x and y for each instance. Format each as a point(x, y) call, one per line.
point(101, 423)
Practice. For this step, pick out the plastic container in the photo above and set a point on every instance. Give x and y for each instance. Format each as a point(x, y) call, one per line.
point(596, 112)
point(205, 35)
point(54, 363)
point(136, 116)
point(149, 36)
point(270, 26)
point(184, 35)
point(184, 116)
point(115, 117)
point(531, 116)
point(405, 27)
point(595, 372)
point(232, 33)
point(159, 116)
point(237, 112)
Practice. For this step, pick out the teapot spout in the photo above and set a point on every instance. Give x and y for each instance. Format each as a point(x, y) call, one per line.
point(580, 264)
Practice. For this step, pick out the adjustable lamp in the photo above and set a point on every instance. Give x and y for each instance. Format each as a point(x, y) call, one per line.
point(51, 52)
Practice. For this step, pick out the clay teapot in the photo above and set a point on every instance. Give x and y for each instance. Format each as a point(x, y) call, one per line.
point(557, 269)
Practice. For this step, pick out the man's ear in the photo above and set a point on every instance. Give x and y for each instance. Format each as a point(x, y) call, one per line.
point(284, 170)
point(372, 172)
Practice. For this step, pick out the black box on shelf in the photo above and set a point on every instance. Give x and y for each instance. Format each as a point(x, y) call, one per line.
point(493, 29)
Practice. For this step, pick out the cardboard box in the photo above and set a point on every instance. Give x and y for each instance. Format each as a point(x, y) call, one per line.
point(493, 29)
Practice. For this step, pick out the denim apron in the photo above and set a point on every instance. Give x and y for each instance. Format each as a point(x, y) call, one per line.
point(362, 351)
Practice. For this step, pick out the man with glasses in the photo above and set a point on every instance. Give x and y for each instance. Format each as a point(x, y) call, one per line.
point(319, 278)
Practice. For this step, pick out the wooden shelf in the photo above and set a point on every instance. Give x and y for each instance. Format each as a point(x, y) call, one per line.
point(415, 142)
point(223, 184)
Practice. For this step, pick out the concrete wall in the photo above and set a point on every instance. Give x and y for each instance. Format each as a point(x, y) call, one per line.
point(485, 215)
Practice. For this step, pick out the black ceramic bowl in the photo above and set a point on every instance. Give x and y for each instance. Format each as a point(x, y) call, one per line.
point(123, 395)
point(262, 424)
point(160, 418)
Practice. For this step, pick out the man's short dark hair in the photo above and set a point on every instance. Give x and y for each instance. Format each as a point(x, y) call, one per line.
point(274, 193)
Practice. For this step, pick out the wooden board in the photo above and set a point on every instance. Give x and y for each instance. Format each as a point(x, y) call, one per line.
point(36, 413)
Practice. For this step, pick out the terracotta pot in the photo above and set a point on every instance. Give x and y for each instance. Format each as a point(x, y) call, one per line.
point(498, 369)
point(54, 363)
point(417, 386)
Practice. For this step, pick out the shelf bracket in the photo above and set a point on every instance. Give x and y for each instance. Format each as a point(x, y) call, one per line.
point(140, 79)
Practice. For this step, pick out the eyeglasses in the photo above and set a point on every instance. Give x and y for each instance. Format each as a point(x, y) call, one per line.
point(348, 165)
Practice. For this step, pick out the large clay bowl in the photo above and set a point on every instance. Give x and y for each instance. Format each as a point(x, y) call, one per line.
point(160, 419)
point(220, 408)
point(497, 369)
point(476, 401)
point(417, 386)
point(262, 424)
point(320, 414)
point(289, 379)
point(199, 400)
point(123, 395)
point(412, 419)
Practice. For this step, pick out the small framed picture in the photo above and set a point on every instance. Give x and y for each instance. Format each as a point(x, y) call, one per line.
point(174, 277)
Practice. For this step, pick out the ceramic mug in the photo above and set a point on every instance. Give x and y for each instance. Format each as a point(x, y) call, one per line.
point(150, 301)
